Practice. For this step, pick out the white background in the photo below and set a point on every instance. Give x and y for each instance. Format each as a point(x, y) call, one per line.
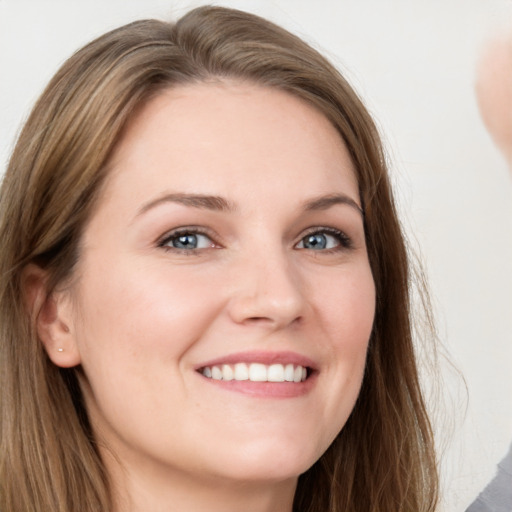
point(413, 61)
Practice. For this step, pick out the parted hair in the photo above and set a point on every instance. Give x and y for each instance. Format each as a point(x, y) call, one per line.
point(383, 459)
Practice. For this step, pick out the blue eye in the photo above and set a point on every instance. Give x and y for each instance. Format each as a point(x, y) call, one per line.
point(187, 241)
point(324, 240)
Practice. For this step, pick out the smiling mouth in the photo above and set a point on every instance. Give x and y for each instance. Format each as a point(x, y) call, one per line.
point(256, 372)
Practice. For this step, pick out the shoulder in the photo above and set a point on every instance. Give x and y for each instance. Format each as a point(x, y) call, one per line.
point(497, 496)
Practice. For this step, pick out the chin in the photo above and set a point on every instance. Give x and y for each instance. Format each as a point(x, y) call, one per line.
point(277, 463)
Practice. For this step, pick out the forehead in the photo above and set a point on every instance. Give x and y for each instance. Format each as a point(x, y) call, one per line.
point(225, 134)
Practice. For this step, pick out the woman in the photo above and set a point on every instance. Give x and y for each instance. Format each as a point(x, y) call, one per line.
point(205, 294)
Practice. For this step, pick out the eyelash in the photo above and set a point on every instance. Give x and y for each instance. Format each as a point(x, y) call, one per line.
point(345, 242)
point(173, 235)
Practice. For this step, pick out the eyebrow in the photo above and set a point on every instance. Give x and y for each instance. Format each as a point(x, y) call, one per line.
point(220, 204)
point(202, 201)
point(325, 202)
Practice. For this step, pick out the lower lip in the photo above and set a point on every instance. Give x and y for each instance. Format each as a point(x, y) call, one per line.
point(266, 389)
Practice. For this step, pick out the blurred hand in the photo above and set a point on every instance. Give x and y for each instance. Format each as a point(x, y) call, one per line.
point(494, 91)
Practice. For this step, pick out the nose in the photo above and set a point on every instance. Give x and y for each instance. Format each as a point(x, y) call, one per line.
point(267, 291)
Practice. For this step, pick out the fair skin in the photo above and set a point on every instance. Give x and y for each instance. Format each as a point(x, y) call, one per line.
point(228, 236)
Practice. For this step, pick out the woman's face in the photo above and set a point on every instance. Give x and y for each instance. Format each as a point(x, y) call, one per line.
point(223, 300)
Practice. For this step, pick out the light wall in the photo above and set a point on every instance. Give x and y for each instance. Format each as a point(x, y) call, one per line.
point(413, 62)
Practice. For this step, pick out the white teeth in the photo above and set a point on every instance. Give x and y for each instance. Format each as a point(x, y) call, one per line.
point(241, 371)
point(276, 373)
point(256, 372)
point(288, 373)
point(227, 372)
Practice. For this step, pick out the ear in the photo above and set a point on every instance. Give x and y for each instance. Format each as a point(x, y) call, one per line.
point(52, 316)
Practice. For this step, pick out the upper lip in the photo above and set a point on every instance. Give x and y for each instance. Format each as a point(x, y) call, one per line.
point(263, 357)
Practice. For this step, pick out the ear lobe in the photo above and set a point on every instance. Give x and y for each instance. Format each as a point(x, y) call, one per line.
point(52, 317)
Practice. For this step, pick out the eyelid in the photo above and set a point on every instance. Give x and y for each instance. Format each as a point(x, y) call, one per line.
point(345, 241)
point(185, 230)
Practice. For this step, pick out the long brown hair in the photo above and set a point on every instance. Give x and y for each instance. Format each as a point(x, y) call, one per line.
point(383, 459)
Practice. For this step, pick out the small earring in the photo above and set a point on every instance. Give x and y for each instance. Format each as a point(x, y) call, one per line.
point(60, 349)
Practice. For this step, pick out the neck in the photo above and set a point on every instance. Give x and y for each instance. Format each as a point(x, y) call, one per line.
point(142, 490)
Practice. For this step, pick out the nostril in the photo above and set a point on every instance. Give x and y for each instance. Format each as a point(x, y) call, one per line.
point(255, 320)
point(272, 320)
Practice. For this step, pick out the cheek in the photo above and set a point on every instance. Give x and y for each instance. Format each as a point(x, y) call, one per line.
point(137, 325)
point(347, 310)
point(347, 307)
point(356, 316)
point(136, 314)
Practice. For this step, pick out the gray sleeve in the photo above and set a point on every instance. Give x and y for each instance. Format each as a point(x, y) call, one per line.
point(497, 496)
